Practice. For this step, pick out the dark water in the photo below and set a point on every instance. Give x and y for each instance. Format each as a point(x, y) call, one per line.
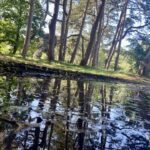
point(55, 114)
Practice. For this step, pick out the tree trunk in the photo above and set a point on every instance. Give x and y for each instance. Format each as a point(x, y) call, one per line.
point(52, 30)
point(93, 35)
point(66, 30)
point(119, 46)
point(117, 35)
point(56, 91)
point(67, 114)
point(97, 42)
point(103, 115)
point(29, 26)
point(117, 57)
point(113, 46)
point(80, 33)
point(63, 27)
point(18, 30)
point(83, 47)
point(17, 40)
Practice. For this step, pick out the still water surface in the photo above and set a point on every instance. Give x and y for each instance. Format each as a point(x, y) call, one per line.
point(55, 114)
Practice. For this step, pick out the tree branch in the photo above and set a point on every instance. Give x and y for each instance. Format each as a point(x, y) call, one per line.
point(132, 27)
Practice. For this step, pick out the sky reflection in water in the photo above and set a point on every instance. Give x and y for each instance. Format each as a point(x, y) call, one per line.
point(50, 113)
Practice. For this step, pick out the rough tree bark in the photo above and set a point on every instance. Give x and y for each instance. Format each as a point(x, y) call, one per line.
point(80, 33)
point(84, 61)
point(52, 30)
point(29, 26)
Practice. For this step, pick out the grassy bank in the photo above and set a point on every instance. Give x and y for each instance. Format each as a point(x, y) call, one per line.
point(70, 69)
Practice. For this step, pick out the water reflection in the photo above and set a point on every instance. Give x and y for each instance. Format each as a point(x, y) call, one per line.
point(55, 114)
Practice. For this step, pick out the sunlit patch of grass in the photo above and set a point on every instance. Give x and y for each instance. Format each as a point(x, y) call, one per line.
point(75, 68)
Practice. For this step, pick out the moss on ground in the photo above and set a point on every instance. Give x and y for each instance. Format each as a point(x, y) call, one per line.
point(75, 68)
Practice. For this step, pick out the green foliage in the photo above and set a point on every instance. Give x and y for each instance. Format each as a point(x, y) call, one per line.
point(13, 14)
point(139, 49)
point(37, 21)
point(5, 48)
point(7, 29)
point(14, 20)
point(32, 48)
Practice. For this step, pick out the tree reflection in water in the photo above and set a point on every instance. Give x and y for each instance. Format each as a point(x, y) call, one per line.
point(53, 114)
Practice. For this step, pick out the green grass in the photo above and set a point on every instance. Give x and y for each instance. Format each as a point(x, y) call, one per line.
point(75, 68)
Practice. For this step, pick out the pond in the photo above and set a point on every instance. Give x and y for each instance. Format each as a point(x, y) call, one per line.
point(49, 113)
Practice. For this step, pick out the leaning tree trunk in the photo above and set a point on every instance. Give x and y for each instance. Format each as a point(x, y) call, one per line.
point(113, 46)
point(118, 52)
point(117, 57)
point(119, 45)
point(80, 33)
point(117, 35)
point(52, 30)
point(29, 26)
point(93, 35)
point(120, 40)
